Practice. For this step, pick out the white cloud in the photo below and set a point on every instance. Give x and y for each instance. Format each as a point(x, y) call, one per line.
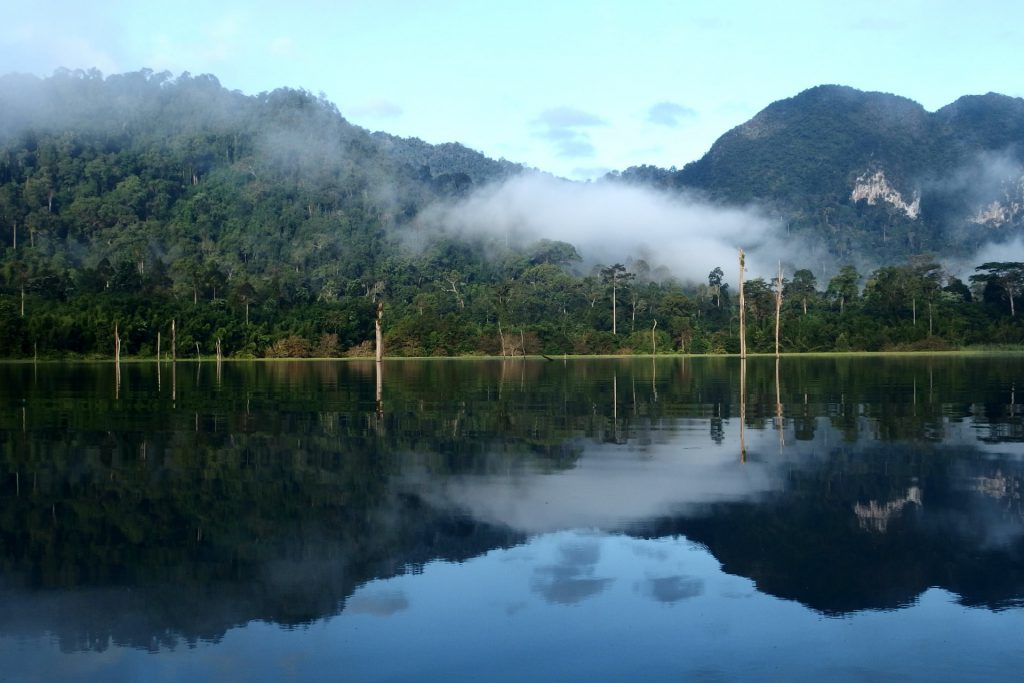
point(669, 114)
point(612, 222)
point(566, 129)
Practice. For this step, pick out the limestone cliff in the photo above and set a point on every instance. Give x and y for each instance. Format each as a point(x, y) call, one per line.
point(1006, 209)
point(874, 187)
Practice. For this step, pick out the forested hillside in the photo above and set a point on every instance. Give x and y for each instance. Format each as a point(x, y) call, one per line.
point(873, 177)
point(272, 226)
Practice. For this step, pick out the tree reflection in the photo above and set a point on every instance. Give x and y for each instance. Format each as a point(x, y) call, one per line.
point(273, 490)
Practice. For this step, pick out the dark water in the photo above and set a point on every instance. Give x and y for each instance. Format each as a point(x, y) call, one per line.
point(582, 520)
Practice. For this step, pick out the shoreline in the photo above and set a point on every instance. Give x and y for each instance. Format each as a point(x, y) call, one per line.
point(531, 357)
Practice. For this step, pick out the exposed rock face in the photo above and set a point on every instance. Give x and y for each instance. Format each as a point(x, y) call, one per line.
point(875, 516)
point(1004, 210)
point(995, 214)
point(875, 187)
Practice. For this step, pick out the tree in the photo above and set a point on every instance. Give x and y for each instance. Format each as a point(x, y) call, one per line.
point(615, 276)
point(715, 285)
point(1001, 280)
point(802, 288)
point(926, 284)
point(956, 288)
point(245, 293)
point(842, 289)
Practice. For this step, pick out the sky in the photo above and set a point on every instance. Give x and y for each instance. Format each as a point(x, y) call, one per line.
point(572, 87)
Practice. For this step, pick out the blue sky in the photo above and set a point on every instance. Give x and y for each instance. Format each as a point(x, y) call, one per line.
point(571, 87)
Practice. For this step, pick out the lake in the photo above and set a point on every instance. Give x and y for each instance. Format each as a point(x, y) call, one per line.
point(830, 518)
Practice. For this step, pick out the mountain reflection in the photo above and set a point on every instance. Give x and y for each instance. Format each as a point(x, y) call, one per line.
point(131, 515)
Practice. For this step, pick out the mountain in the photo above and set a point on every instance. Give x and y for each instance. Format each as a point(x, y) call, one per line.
point(873, 176)
point(268, 225)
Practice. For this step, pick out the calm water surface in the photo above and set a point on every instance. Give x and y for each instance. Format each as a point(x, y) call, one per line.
point(839, 519)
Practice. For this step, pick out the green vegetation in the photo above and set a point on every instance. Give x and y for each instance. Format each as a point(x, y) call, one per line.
point(272, 226)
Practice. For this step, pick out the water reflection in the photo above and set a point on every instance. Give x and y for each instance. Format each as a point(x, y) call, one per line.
point(572, 578)
point(671, 589)
point(290, 492)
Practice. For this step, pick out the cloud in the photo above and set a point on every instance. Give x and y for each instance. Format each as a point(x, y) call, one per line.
point(575, 148)
point(567, 117)
point(669, 114)
point(567, 129)
point(377, 108)
point(988, 196)
point(612, 222)
point(965, 266)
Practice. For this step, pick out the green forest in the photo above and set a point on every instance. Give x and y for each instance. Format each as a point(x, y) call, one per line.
point(269, 226)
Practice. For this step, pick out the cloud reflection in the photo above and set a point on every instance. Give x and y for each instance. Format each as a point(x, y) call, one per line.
point(378, 603)
point(671, 589)
point(610, 488)
point(571, 579)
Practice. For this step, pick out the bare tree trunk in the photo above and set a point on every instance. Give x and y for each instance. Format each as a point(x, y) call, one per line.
point(501, 336)
point(199, 356)
point(378, 337)
point(778, 308)
point(615, 401)
point(174, 343)
point(654, 339)
point(23, 301)
point(158, 346)
point(15, 235)
point(778, 406)
point(220, 356)
point(247, 313)
point(117, 345)
point(743, 319)
point(613, 308)
point(380, 392)
point(743, 407)
point(453, 282)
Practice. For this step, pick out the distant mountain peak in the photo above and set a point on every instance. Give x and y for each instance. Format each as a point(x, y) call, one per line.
point(871, 176)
